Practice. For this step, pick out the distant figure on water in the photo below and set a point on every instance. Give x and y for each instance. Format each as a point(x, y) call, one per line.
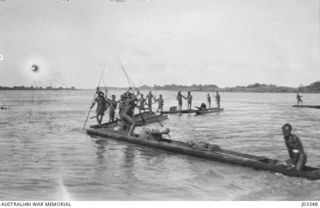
point(218, 99)
point(179, 98)
point(298, 157)
point(209, 100)
point(189, 100)
point(299, 100)
point(149, 101)
point(101, 106)
point(160, 103)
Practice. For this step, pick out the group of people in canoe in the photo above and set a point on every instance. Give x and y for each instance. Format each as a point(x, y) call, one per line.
point(188, 98)
point(126, 105)
point(140, 102)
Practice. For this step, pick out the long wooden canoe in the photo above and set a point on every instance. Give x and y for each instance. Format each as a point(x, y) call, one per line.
point(207, 151)
point(197, 111)
point(145, 118)
point(306, 106)
point(208, 110)
point(179, 111)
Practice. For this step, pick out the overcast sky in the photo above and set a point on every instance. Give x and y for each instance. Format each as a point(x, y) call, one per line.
point(223, 42)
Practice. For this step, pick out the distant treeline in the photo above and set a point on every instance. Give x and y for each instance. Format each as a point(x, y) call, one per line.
point(312, 88)
point(174, 87)
point(36, 88)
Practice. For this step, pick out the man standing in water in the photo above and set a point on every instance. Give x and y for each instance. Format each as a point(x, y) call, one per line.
point(218, 99)
point(101, 106)
point(209, 100)
point(299, 100)
point(149, 101)
point(298, 157)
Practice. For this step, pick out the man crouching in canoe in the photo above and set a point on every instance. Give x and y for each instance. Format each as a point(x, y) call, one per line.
point(298, 157)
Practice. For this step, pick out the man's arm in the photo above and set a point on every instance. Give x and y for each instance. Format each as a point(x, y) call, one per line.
point(94, 102)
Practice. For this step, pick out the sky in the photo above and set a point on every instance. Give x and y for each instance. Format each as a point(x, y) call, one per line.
point(222, 42)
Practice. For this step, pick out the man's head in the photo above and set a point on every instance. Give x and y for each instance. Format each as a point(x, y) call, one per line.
point(101, 94)
point(160, 96)
point(113, 97)
point(286, 129)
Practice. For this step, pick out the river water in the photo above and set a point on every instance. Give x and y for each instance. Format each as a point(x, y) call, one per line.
point(45, 155)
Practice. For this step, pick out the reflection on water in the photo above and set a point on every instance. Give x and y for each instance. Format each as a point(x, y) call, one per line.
point(46, 156)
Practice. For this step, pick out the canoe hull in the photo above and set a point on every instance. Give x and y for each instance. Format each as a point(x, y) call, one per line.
point(256, 162)
point(208, 110)
point(307, 106)
point(148, 118)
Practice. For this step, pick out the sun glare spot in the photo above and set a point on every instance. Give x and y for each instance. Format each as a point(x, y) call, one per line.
point(35, 68)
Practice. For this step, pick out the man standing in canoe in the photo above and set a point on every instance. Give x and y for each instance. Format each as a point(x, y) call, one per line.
point(298, 157)
point(179, 98)
point(218, 99)
point(209, 100)
point(160, 103)
point(299, 100)
point(101, 106)
point(142, 103)
point(149, 101)
point(189, 100)
point(128, 111)
point(112, 107)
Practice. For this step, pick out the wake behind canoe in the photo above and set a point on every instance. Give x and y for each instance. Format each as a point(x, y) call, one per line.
point(207, 151)
point(307, 106)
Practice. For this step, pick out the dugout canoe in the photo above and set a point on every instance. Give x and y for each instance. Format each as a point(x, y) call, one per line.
point(207, 151)
point(148, 118)
point(307, 106)
point(179, 111)
point(197, 111)
point(208, 110)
